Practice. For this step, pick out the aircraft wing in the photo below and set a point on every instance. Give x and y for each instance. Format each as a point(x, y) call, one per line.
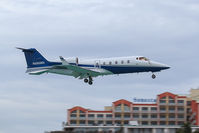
point(77, 70)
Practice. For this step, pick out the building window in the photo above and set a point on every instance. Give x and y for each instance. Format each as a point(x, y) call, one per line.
point(162, 123)
point(154, 116)
point(108, 122)
point(180, 109)
point(118, 122)
point(73, 115)
point(99, 115)
point(144, 108)
point(118, 107)
point(126, 122)
point(91, 115)
point(153, 108)
point(180, 116)
point(81, 111)
point(180, 123)
point(172, 123)
point(180, 101)
point(188, 103)
point(171, 101)
point(144, 116)
point(144, 122)
point(127, 116)
point(100, 122)
point(126, 107)
point(82, 122)
point(162, 116)
point(154, 123)
point(162, 101)
point(118, 116)
point(82, 115)
point(109, 116)
point(171, 116)
point(135, 115)
point(162, 109)
point(136, 108)
point(75, 111)
point(171, 108)
point(91, 122)
point(73, 122)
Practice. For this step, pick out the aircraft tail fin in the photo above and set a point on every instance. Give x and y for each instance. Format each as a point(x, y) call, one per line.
point(34, 58)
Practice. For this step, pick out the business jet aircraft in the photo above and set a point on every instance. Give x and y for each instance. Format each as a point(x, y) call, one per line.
point(88, 68)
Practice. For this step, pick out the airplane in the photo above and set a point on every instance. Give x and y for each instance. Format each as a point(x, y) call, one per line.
point(87, 69)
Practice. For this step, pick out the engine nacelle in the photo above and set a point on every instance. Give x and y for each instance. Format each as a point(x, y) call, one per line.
point(73, 60)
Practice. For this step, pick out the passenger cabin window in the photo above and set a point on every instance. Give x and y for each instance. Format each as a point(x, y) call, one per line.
point(115, 62)
point(110, 63)
point(122, 62)
point(128, 61)
point(104, 63)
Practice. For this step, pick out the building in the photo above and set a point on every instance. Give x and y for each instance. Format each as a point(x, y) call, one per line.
point(169, 109)
point(194, 118)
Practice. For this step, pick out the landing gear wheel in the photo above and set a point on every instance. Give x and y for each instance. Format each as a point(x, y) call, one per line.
point(90, 82)
point(86, 80)
point(153, 76)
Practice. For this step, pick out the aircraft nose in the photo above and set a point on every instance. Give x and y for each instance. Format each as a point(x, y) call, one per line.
point(161, 66)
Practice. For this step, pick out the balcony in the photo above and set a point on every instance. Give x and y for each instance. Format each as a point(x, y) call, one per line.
point(127, 110)
point(172, 119)
point(136, 111)
point(181, 111)
point(180, 104)
point(154, 119)
point(145, 119)
point(118, 118)
point(153, 111)
point(91, 118)
point(163, 118)
point(172, 111)
point(171, 104)
point(163, 111)
point(181, 119)
point(73, 118)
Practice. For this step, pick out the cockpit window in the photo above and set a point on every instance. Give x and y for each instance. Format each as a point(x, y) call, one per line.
point(142, 58)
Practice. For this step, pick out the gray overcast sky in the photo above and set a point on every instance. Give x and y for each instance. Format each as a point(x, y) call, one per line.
point(165, 31)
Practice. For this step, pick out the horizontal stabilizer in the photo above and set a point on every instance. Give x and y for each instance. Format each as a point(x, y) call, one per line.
point(38, 72)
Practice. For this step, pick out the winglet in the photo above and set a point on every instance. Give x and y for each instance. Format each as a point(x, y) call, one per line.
point(64, 62)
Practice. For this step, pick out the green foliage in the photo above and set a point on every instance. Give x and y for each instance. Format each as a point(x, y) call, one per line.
point(186, 128)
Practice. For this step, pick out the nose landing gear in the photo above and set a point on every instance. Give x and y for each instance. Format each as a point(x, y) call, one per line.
point(153, 76)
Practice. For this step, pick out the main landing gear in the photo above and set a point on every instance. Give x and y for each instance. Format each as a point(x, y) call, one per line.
point(153, 76)
point(89, 80)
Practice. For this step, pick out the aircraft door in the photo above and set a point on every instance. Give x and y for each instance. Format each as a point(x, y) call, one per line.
point(97, 64)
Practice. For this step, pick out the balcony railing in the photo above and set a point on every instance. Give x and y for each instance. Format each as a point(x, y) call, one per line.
point(163, 111)
point(172, 119)
point(180, 104)
point(172, 111)
point(163, 118)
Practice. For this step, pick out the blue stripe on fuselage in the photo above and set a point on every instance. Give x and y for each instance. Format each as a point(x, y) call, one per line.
point(125, 69)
